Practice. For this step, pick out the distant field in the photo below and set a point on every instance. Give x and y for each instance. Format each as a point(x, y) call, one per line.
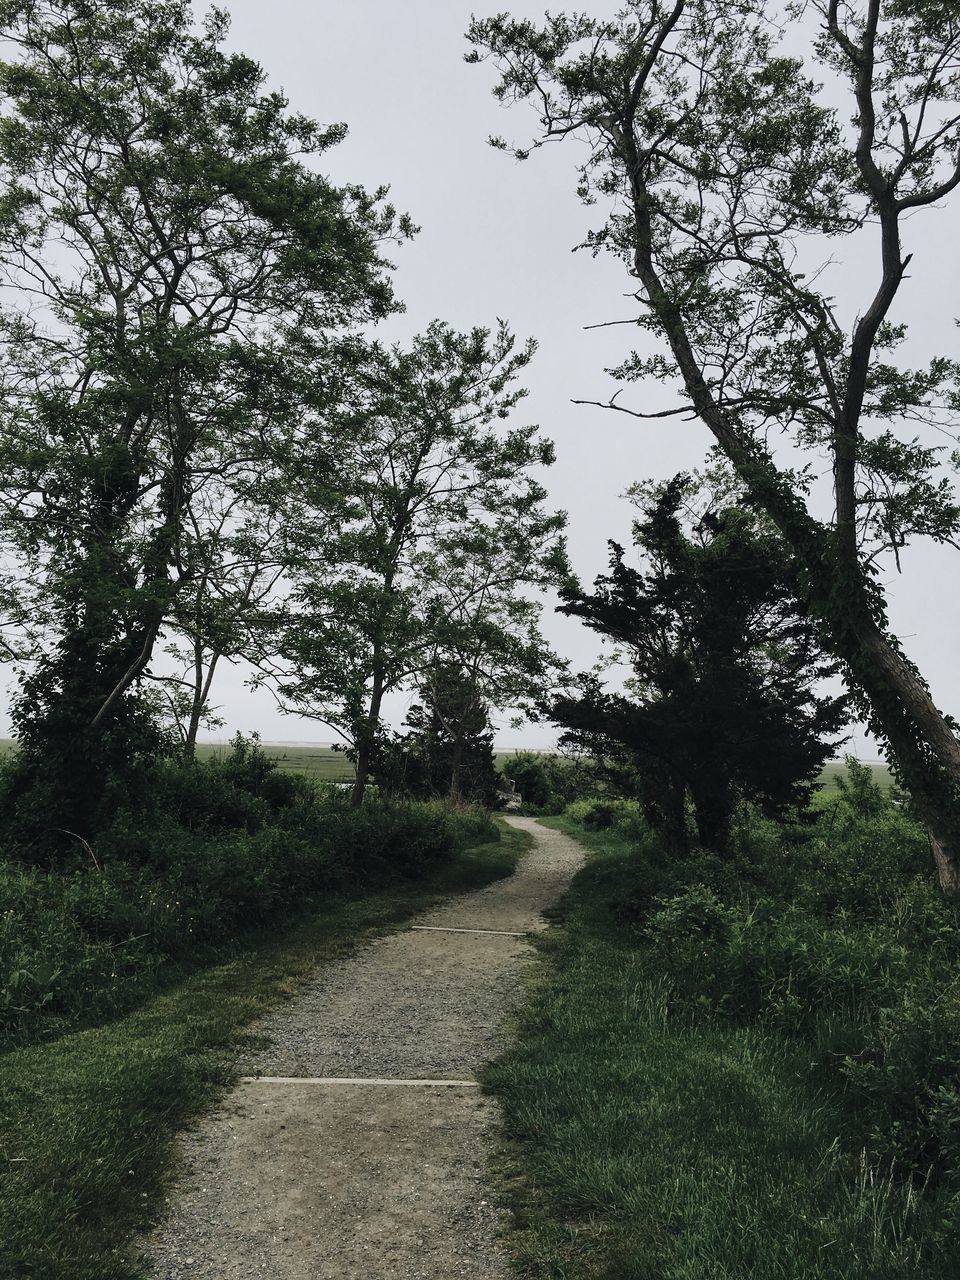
point(322, 763)
point(881, 774)
point(327, 765)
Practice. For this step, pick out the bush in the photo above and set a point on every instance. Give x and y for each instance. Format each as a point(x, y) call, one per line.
point(602, 814)
point(548, 783)
point(903, 1078)
point(236, 849)
point(832, 931)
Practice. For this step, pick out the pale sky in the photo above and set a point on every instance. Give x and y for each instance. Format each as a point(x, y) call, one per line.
point(496, 241)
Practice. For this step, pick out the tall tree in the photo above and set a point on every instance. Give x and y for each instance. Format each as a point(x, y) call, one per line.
point(448, 750)
point(486, 584)
point(173, 265)
point(729, 176)
point(722, 704)
point(425, 457)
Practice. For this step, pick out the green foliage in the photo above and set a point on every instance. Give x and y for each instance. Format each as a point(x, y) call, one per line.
point(602, 814)
point(227, 848)
point(723, 701)
point(650, 1135)
point(446, 526)
point(548, 783)
point(448, 749)
point(834, 936)
point(177, 270)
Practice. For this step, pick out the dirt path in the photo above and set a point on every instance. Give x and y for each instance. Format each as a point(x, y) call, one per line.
point(329, 1163)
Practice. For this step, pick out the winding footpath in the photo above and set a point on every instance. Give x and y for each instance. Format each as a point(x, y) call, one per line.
point(355, 1146)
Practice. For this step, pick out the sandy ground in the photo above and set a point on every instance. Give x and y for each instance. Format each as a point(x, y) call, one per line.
point(377, 1181)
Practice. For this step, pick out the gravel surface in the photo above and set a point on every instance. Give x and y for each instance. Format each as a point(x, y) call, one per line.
point(368, 1182)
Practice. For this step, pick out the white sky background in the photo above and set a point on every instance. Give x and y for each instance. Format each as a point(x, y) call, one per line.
point(495, 241)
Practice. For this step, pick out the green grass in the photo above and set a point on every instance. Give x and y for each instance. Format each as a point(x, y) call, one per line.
point(87, 1121)
point(837, 768)
point(645, 1144)
point(321, 763)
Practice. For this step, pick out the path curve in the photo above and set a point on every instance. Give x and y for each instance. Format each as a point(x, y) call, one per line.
point(301, 1178)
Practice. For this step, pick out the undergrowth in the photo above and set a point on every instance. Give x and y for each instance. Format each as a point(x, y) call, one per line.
point(225, 848)
point(743, 1067)
point(87, 1120)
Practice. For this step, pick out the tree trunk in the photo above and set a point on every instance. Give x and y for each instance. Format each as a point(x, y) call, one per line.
point(362, 776)
point(366, 739)
point(713, 808)
point(673, 822)
point(201, 694)
point(924, 749)
point(456, 770)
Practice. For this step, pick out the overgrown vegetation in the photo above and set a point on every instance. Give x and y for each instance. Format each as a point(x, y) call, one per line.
point(548, 783)
point(87, 1121)
point(220, 848)
point(744, 1066)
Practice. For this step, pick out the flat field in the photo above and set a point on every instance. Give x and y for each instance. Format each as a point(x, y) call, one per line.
point(836, 768)
point(322, 763)
point(327, 765)
point(319, 762)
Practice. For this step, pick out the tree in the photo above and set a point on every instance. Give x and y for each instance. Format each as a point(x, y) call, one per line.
point(448, 750)
point(486, 619)
point(175, 267)
point(729, 177)
point(227, 611)
point(434, 481)
point(723, 702)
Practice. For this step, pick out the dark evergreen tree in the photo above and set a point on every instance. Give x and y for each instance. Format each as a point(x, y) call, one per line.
point(723, 704)
point(448, 750)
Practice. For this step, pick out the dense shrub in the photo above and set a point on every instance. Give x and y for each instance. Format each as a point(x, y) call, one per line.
point(833, 932)
point(602, 813)
point(240, 845)
point(548, 783)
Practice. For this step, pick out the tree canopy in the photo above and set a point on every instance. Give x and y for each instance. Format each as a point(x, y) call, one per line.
point(174, 266)
point(724, 703)
point(726, 178)
point(445, 526)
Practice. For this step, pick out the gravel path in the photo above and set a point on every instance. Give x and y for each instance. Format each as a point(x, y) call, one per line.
point(308, 1181)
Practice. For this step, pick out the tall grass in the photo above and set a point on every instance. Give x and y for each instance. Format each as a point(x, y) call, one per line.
point(742, 1068)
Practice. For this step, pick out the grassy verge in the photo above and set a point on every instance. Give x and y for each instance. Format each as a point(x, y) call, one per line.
point(647, 1142)
point(87, 1122)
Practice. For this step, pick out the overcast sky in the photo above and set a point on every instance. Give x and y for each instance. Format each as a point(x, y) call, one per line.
point(496, 241)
